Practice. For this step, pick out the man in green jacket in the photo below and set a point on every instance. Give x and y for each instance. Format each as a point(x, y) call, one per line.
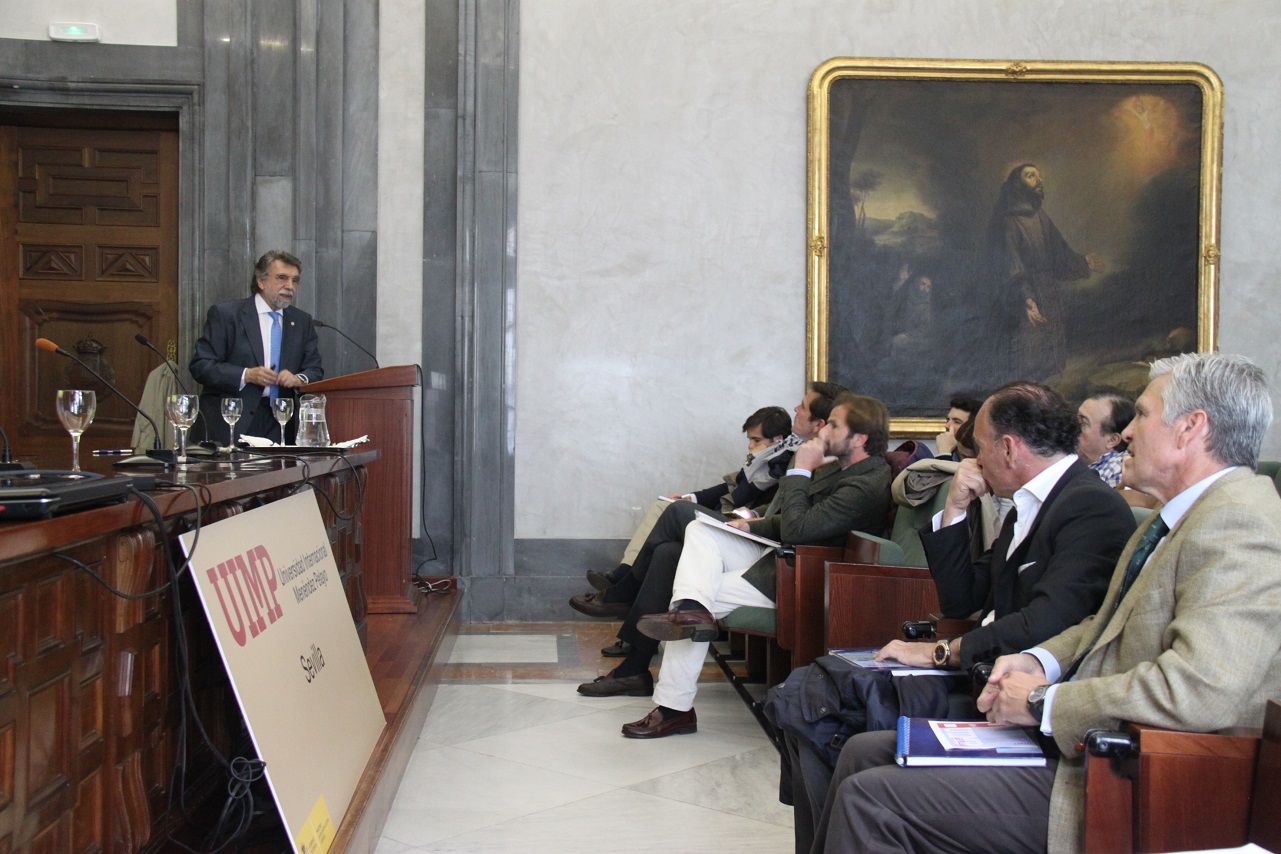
point(838, 481)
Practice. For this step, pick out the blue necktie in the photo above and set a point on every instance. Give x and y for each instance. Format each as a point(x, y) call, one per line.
point(274, 390)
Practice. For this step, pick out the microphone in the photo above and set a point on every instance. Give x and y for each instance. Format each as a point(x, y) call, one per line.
point(6, 456)
point(142, 339)
point(320, 324)
point(157, 453)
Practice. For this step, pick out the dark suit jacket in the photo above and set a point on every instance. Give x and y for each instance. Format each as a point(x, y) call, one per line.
point(1067, 559)
point(231, 342)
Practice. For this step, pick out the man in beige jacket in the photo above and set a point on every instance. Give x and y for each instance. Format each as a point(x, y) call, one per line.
point(1186, 636)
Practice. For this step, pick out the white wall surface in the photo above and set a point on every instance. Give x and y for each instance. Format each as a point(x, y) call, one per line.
point(401, 110)
point(661, 277)
point(146, 22)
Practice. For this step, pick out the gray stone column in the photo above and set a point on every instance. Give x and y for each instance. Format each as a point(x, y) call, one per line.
point(486, 303)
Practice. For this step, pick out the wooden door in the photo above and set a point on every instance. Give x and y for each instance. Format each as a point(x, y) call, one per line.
point(88, 259)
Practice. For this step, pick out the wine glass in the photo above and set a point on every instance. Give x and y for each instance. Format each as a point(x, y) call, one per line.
point(75, 410)
point(232, 409)
point(181, 409)
point(283, 409)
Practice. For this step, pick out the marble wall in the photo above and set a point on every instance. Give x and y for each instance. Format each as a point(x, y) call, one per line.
point(661, 226)
point(139, 22)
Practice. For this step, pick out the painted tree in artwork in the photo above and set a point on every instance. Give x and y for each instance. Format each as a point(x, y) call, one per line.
point(861, 185)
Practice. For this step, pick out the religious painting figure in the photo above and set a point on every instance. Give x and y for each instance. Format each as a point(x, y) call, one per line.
point(1030, 260)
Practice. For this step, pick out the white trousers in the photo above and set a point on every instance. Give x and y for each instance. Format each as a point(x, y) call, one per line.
point(710, 572)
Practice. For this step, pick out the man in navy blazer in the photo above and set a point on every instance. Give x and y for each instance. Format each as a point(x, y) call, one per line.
point(233, 354)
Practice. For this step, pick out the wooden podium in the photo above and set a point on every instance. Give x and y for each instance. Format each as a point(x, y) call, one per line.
point(380, 403)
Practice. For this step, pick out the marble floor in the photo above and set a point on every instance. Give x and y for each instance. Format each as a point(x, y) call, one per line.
point(513, 759)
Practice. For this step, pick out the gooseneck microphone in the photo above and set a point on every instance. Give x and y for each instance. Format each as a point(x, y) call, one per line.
point(6, 456)
point(142, 339)
point(157, 452)
point(320, 324)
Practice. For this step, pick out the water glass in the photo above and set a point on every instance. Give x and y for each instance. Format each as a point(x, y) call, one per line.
point(232, 409)
point(283, 409)
point(76, 409)
point(182, 410)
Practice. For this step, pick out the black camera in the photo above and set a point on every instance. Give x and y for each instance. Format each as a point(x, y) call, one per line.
point(918, 630)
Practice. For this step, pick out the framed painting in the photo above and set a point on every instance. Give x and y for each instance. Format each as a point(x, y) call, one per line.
point(974, 222)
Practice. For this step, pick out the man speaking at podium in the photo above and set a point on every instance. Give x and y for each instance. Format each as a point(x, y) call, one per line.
point(258, 348)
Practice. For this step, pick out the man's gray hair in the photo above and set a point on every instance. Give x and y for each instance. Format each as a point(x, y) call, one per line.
point(264, 263)
point(1233, 392)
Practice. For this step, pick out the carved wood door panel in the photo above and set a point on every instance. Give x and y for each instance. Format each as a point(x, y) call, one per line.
point(88, 259)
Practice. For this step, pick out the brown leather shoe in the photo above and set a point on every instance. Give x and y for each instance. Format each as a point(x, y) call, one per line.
point(598, 580)
point(698, 626)
point(594, 605)
point(641, 685)
point(653, 725)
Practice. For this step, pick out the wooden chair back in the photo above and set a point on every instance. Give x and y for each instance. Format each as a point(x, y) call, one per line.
point(866, 604)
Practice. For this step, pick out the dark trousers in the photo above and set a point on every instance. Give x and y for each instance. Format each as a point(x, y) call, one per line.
point(655, 567)
point(880, 807)
point(809, 776)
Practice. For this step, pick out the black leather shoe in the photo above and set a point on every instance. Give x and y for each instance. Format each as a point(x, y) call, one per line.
point(618, 650)
point(697, 625)
point(594, 605)
point(599, 580)
point(641, 685)
point(653, 725)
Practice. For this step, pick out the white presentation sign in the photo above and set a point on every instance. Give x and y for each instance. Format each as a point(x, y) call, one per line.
point(272, 593)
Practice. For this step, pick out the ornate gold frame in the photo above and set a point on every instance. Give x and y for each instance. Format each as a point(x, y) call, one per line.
point(1014, 73)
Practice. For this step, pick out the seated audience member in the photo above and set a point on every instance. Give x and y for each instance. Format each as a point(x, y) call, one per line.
point(1185, 638)
point(920, 481)
point(618, 589)
point(839, 481)
point(1047, 570)
point(1103, 417)
point(960, 410)
point(770, 442)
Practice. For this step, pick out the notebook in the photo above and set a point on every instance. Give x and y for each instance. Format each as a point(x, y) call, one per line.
point(923, 742)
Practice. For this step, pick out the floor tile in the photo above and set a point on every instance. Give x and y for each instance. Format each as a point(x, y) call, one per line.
point(746, 785)
point(513, 759)
point(593, 747)
point(500, 649)
point(479, 791)
point(464, 712)
point(621, 822)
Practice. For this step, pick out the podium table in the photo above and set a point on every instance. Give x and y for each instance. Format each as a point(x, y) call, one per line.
point(380, 403)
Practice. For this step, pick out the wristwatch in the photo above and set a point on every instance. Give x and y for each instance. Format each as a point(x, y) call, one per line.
point(1036, 701)
point(942, 654)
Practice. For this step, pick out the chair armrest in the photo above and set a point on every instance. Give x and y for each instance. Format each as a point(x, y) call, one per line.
point(799, 591)
point(869, 548)
point(1174, 791)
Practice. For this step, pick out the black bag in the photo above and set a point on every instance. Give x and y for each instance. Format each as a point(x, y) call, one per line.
point(827, 702)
